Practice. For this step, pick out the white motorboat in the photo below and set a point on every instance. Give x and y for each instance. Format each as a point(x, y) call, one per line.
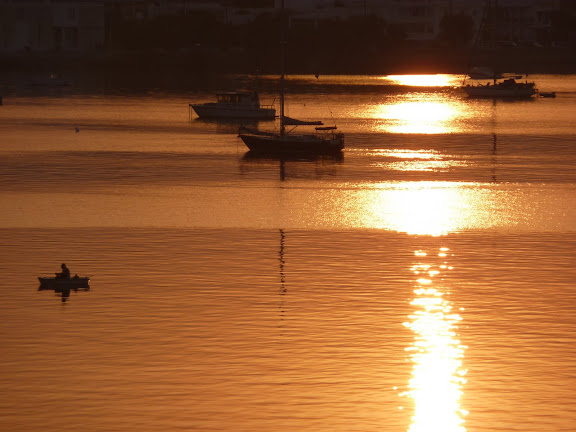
point(241, 104)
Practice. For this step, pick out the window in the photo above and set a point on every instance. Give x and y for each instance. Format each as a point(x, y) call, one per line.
point(71, 37)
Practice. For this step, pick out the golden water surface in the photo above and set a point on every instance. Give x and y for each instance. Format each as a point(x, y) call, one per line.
point(421, 282)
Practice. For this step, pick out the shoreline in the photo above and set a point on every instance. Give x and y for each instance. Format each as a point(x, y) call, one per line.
point(193, 67)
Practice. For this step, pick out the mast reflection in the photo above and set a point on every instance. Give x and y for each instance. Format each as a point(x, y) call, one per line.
point(63, 292)
point(436, 353)
point(322, 164)
point(283, 289)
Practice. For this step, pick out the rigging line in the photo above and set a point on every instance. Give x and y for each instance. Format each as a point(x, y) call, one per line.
point(487, 5)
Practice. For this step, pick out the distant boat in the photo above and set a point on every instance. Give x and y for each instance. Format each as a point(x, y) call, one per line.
point(506, 87)
point(52, 80)
point(324, 140)
point(501, 85)
point(547, 94)
point(241, 104)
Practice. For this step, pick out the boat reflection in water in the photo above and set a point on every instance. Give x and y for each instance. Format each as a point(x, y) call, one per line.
point(322, 164)
point(436, 353)
point(62, 288)
point(328, 158)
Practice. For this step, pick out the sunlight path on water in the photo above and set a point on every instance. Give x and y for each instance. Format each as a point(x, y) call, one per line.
point(423, 80)
point(436, 353)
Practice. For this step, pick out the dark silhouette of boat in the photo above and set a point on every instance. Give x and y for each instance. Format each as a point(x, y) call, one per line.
point(502, 88)
point(240, 104)
point(500, 85)
point(64, 286)
point(547, 94)
point(324, 139)
point(55, 283)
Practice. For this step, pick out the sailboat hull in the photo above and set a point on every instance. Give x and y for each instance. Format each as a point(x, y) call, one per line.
point(293, 144)
point(498, 91)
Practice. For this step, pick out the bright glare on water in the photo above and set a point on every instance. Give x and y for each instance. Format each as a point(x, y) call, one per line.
point(423, 281)
point(437, 376)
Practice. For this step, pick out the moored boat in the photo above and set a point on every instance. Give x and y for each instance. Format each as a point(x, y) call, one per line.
point(325, 139)
point(547, 94)
point(240, 104)
point(506, 88)
point(502, 85)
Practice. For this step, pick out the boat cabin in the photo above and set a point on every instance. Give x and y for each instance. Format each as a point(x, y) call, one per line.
point(238, 98)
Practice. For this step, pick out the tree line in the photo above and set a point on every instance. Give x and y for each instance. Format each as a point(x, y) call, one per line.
point(362, 41)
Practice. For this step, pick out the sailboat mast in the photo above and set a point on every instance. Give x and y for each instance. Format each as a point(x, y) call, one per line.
point(487, 5)
point(282, 64)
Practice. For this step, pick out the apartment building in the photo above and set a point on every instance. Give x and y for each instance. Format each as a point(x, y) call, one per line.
point(518, 22)
point(524, 20)
point(69, 25)
point(51, 25)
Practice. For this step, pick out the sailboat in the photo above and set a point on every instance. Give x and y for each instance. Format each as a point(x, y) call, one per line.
point(325, 139)
point(502, 85)
point(499, 85)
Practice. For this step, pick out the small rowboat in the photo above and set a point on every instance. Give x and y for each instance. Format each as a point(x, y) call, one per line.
point(74, 283)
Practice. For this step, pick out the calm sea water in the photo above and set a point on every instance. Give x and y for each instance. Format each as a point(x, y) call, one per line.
point(422, 282)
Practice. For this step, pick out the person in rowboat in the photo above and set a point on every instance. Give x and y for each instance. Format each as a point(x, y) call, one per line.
point(64, 274)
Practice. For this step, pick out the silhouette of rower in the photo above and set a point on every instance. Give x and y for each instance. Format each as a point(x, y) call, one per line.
point(64, 274)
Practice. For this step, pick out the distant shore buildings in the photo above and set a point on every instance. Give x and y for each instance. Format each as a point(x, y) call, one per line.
point(30, 26)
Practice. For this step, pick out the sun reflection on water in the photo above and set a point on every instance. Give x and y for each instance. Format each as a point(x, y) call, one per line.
point(423, 114)
point(426, 80)
point(436, 353)
point(430, 107)
point(414, 160)
point(424, 208)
